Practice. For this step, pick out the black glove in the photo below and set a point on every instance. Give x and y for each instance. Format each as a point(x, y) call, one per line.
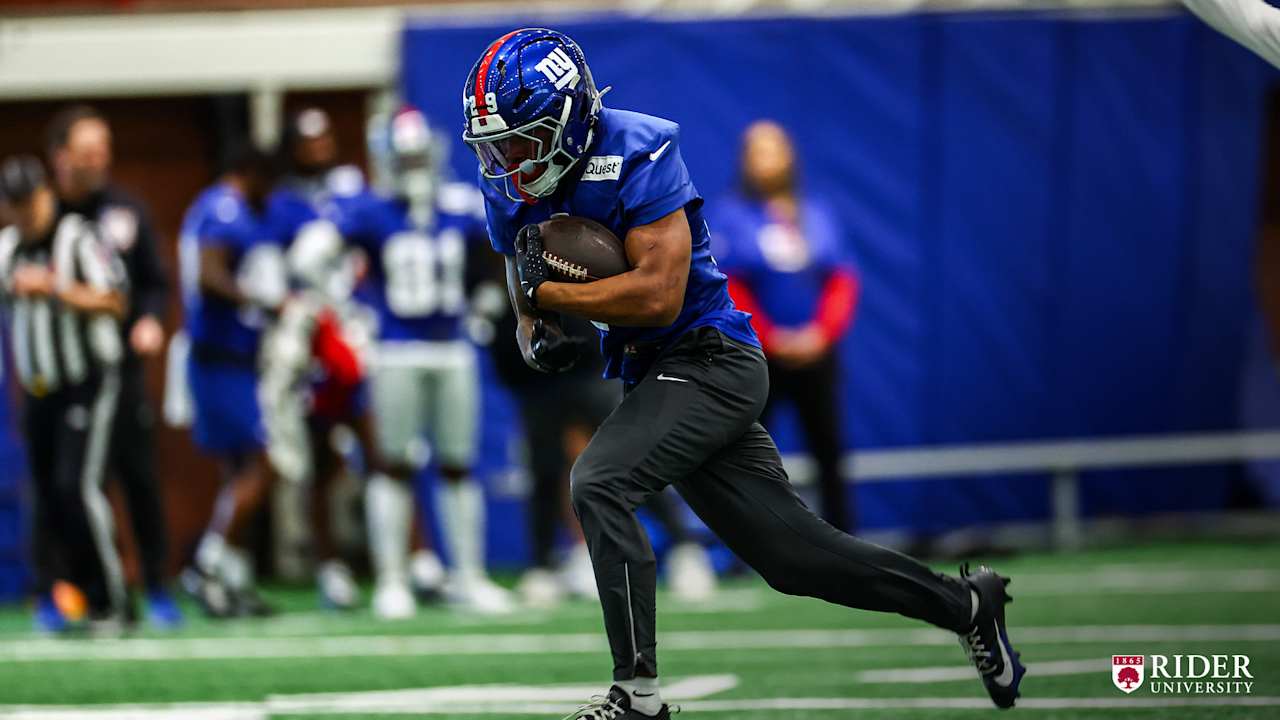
point(530, 264)
point(550, 349)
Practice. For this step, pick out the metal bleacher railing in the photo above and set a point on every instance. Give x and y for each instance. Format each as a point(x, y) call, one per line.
point(1063, 459)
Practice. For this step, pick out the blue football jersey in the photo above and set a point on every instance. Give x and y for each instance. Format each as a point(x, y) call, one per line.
point(417, 277)
point(220, 217)
point(785, 267)
point(296, 202)
point(634, 176)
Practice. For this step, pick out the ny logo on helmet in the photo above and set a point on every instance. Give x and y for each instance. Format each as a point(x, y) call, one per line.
point(558, 68)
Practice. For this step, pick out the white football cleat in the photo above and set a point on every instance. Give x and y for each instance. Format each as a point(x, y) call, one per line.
point(427, 575)
point(337, 587)
point(393, 601)
point(578, 576)
point(479, 594)
point(689, 573)
point(540, 589)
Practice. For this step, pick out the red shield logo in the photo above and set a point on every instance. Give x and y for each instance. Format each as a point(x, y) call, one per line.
point(1128, 671)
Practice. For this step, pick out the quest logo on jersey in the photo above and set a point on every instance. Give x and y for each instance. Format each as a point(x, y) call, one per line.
point(603, 167)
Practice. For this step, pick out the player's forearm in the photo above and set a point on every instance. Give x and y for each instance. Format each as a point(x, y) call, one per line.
point(87, 299)
point(1252, 23)
point(637, 298)
point(526, 314)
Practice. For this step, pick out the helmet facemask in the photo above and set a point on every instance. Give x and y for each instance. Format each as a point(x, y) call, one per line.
point(535, 149)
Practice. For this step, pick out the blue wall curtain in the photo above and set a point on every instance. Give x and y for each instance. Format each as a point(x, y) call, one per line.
point(1053, 215)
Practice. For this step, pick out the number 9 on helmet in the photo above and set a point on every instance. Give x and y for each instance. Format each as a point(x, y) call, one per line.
point(530, 109)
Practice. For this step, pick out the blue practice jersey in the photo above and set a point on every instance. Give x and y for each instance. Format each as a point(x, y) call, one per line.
point(634, 176)
point(221, 217)
point(416, 281)
point(417, 277)
point(785, 267)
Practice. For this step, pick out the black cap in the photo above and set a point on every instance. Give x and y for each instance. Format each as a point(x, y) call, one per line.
point(20, 175)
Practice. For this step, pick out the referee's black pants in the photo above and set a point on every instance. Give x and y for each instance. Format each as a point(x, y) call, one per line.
point(133, 460)
point(68, 434)
point(692, 423)
point(812, 390)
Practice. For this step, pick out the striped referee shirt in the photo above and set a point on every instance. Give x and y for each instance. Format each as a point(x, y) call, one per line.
point(55, 346)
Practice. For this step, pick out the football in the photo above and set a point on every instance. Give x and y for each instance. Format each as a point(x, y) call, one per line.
point(581, 250)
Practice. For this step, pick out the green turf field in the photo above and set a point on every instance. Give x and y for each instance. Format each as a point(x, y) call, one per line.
point(751, 654)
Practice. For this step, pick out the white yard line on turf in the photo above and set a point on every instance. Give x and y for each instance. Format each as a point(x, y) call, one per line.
point(62, 650)
point(408, 701)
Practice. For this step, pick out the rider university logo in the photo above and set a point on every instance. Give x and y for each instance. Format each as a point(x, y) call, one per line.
point(1127, 672)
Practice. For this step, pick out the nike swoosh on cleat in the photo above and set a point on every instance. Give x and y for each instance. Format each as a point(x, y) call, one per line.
point(640, 694)
point(1005, 678)
point(662, 376)
point(658, 153)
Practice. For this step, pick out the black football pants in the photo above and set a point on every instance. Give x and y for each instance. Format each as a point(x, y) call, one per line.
point(133, 460)
point(548, 408)
point(692, 423)
point(67, 436)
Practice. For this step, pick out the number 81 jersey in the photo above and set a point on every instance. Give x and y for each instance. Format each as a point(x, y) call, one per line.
point(416, 278)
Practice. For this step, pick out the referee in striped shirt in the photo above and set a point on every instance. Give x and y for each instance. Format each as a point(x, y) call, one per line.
point(64, 297)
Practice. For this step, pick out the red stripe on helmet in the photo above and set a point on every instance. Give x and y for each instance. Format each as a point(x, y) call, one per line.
point(483, 73)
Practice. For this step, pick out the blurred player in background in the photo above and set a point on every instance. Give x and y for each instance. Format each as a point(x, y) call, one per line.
point(63, 289)
point(79, 148)
point(232, 283)
point(425, 377)
point(694, 376)
point(313, 382)
point(785, 255)
point(316, 196)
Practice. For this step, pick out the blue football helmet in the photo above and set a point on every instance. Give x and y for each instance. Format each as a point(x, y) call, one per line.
point(530, 108)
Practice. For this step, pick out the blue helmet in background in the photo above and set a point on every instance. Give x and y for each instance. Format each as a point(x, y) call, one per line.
point(530, 108)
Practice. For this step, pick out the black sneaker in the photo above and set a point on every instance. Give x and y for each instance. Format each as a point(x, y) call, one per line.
point(209, 592)
point(615, 706)
point(987, 640)
point(248, 603)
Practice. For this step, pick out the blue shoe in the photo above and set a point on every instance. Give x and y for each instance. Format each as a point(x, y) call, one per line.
point(162, 610)
point(987, 640)
point(47, 617)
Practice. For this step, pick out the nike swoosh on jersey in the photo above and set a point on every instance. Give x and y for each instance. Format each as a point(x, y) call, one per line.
point(658, 153)
point(664, 376)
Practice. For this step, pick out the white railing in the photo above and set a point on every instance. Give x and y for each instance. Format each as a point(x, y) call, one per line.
point(1064, 459)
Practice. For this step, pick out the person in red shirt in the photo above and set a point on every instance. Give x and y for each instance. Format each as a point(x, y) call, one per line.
point(789, 265)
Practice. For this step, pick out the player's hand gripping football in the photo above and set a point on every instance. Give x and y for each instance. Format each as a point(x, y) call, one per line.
point(550, 349)
point(530, 264)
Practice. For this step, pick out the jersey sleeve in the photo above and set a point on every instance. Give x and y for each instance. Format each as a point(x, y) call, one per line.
point(657, 182)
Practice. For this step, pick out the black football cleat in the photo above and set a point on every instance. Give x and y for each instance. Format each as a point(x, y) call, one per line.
point(987, 640)
point(615, 706)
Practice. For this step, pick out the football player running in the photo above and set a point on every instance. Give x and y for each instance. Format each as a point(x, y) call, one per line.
point(694, 377)
point(313, 382)
point(232, 283)
point(424, 374)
